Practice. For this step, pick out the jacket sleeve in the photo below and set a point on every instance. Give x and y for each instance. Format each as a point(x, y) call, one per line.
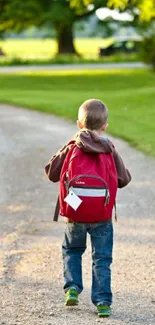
point(53, 168)
point(124, 176)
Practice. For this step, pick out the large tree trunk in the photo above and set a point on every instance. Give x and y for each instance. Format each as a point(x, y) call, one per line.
point(65, 39)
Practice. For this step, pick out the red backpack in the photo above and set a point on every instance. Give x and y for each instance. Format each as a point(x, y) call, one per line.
point(92, 177)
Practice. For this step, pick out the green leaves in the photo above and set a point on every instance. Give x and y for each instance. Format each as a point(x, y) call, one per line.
point(18, 14)
point(122, 4)
point(146, 7)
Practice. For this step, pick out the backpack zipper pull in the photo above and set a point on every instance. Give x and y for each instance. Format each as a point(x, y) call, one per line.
point(67, 182)
point(115, 212)
point(107, 198)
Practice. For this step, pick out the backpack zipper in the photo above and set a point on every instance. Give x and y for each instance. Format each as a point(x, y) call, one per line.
point(67, 183)
point(87, 176)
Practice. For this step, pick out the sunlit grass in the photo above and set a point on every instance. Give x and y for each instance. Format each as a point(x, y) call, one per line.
point(129, 95)
point(36, 51)
point(74, 72)
point(47, 48)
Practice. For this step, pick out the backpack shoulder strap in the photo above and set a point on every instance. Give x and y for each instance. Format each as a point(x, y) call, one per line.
point(57, 207)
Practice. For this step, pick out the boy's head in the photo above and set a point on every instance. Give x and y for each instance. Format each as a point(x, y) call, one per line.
point(93, 115)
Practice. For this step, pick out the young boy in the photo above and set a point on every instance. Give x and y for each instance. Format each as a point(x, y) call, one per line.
point(95, 148)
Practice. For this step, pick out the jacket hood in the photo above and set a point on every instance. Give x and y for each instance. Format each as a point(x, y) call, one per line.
point(89, 141)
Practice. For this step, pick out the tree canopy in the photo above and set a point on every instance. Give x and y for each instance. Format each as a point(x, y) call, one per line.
point(146, 7)
point(18, 15)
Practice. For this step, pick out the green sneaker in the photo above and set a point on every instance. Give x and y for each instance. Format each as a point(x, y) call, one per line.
point(71, 298)
point(103, 311)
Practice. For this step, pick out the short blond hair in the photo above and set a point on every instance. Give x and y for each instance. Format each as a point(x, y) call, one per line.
point(93, 114)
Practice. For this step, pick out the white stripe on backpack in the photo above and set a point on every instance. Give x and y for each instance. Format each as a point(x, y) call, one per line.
point(89, 192)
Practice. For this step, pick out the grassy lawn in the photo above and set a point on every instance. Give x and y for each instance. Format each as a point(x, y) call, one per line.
point(47, 48)
point(129, 95)
point(36, 51)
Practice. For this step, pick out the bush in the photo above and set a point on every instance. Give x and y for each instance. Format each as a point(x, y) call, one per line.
point(148, 50)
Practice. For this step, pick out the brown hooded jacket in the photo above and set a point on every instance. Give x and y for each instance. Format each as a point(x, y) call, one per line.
point(88, 141)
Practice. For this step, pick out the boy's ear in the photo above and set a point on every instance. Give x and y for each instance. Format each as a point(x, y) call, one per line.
point(104, 127)
point(79, 124)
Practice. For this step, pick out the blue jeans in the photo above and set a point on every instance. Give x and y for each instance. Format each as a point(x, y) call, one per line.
point(73, 247)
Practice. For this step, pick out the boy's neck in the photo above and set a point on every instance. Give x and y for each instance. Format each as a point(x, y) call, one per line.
point(97, 132)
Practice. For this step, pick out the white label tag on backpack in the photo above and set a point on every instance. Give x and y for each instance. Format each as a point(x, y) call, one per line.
point(73, 200)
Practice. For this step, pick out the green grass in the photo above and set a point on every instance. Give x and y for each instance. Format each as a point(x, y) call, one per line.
point(47, 48)
point(35, 51)
point(129, 95)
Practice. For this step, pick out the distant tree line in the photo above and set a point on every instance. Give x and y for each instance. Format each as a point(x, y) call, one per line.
point(18, 15)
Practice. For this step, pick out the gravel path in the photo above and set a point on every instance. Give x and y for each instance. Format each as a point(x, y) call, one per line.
point(82, 66)
point(30, 256)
